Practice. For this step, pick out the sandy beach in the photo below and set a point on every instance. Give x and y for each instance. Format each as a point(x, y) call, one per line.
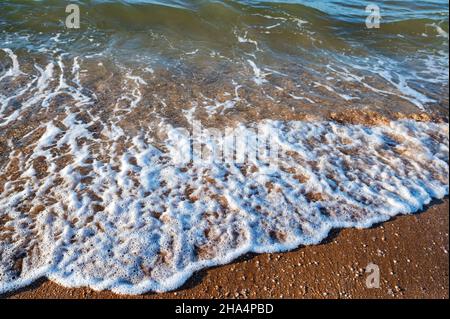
point(411, 252)
point(169, 146)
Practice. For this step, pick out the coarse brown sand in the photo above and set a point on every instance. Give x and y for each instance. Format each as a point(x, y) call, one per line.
point(410, 251)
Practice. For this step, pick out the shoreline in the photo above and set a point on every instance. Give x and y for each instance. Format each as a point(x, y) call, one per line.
point(160, 146)
point(410, 250)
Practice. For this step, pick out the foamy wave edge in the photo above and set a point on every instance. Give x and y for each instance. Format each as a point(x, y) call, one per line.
point(408, 180)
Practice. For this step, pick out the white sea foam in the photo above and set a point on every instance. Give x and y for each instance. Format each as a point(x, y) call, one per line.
point(260, 77)
point(295, 97)
point(117, 211)
point(131, 220)
point(345, 97)
point(133, 95)
point(439, 30)
point(14, 71)
point(246, 39)
point(400, 77)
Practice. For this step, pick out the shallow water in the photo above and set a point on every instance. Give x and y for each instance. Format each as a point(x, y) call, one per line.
point(327, 42)
point(107, 181)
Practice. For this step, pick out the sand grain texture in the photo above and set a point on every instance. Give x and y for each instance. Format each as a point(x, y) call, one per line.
point(411, 252)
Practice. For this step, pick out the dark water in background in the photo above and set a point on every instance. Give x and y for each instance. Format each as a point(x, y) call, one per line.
point(407, 56)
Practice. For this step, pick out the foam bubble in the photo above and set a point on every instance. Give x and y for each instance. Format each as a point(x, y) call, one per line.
point(119, 214)
point(87, 201)
point(259, 77)
point(14, 71)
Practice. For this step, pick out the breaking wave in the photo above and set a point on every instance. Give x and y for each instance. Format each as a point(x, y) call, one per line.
point(98, 188)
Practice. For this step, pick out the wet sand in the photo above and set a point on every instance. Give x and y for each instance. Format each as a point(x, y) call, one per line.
point(87, 123)
point(411, 252)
